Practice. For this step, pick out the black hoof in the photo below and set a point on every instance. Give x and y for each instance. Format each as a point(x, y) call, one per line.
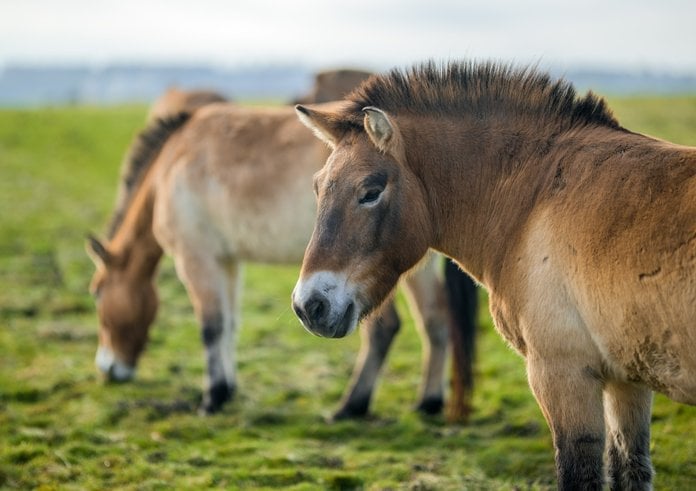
point(352, 410)
point(431, 406)
point(215, 398)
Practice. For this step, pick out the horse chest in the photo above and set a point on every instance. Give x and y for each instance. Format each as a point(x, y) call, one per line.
point(507, 326)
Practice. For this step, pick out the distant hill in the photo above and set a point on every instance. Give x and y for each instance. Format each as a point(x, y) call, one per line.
point(40, 85)
point(115, 84)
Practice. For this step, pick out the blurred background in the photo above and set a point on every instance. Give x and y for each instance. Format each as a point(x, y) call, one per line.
point(109, 52)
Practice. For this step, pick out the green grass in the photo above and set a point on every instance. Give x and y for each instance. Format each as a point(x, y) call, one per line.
point(62, 428)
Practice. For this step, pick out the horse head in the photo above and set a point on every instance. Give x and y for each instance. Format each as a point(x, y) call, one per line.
point(372, 223)
point(126, 304)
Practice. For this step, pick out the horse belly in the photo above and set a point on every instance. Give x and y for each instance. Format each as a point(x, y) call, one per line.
point(208, 216)
point(267, 239)
point(276, 231)
point(653, 341)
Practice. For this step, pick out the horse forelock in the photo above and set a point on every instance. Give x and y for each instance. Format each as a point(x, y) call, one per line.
point(478, 88)
point(142, 153)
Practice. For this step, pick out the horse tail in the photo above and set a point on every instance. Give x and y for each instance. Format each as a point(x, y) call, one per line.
point(463, 307)
point(142, 153)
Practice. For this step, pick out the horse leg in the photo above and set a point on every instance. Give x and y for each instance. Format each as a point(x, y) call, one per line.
point(627, 414)
point(570, 396)
point(377, 335)
point(426, 295)
point(213, 287)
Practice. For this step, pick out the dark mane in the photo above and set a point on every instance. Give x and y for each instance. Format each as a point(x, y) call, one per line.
point(480, 88)
point(141, 154)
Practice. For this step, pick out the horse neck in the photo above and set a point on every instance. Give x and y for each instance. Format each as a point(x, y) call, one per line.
point(135, 239)
point(482, 180)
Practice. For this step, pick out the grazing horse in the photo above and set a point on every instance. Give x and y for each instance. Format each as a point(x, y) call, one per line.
point(227, 185)
point(583, 232)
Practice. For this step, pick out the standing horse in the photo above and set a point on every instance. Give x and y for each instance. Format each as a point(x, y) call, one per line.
point(175, 101)
point(331, 85)
point(584, 234)
point(223, 186)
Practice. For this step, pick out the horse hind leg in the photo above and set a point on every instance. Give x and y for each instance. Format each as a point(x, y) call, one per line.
point(213, 288)
point(377, 335)
point(627, 413)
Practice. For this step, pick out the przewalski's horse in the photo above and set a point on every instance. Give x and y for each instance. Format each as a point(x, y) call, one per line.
point(175, 101)
point(224, 186)
point(331, 85)
point(584, 234)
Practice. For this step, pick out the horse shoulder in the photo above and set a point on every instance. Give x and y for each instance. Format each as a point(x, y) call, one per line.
point(533, 304)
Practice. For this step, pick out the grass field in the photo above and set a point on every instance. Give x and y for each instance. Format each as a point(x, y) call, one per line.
point(62, 428)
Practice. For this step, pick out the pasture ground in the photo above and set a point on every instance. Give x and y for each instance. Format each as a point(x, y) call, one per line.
point(62, 428)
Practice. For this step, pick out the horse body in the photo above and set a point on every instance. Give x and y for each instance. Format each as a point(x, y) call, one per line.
point(332, 85)
point(217, 188)
point(175, 101)
point(583, 233)
point(221, 203)
point(626, 260)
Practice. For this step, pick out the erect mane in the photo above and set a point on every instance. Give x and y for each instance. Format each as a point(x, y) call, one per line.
point(142, 153)
point(479, 89)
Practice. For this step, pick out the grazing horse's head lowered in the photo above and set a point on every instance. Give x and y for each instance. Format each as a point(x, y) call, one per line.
point(126, 306)
point(369, 202)
point(126, 298)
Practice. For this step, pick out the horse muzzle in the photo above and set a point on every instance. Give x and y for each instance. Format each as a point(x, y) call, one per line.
point(113, 369)
point(325, 304)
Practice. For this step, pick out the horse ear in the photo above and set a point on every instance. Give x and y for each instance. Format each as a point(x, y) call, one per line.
point(97, 251)
point(383, 132)
point(324, 125)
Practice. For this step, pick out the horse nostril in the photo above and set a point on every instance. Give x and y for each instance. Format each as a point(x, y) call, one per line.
point(316, 308)
point(299, 312)
point(111, 373)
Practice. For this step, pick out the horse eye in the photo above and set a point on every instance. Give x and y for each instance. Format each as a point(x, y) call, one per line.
point(370, 196)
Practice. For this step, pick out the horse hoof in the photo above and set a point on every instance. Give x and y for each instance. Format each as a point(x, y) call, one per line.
point(352, 410)
point(215, 398)
point(430, 406)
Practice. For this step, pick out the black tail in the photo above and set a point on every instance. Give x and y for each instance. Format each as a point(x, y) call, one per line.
point(463, 306)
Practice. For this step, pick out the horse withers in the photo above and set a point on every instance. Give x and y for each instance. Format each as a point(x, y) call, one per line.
point(199, 186)
point(583, 232)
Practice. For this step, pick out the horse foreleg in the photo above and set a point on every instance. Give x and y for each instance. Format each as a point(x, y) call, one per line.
point(213, 287)
point(426, 295)
point(627, 412)
point(570, 396)
point(377, 335)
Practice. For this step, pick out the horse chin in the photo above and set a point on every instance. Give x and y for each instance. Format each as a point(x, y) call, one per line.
point(113, 369)
point(340, 328)
point(348, 322)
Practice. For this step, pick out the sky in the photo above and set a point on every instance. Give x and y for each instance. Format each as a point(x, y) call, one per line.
point(651, 35)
